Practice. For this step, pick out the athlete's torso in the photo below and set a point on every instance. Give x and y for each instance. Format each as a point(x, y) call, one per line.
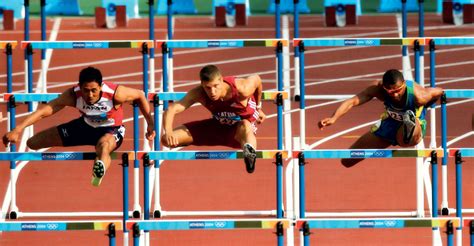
point(103, 113)
point(232, 111)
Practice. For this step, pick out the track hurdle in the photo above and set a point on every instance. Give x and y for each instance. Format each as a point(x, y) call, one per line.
point(469, 223)
point(365, 42)
point(277, 155)
point(144, 45)
point(452, 94)
point(358, 153)
point(224, 224)
point(305, 225)
point(302, 43)
point(168, 45)
point(56, 156)
point(28, 156)
point(366, 153)
point(458, 154)
point(64, 226)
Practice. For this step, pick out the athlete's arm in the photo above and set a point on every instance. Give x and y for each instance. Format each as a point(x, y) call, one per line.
point(427, 96)
point(359, 99)
point(65, 99)
point(128, 95)
point(189, 99)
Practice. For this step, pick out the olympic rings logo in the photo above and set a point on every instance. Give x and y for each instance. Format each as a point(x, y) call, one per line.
point(52, 226)
point(390, 223)
point(220, 224)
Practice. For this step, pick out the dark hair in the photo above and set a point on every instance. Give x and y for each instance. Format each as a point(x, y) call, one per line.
point(391, 77)
point(90, 74)
point(208, 73)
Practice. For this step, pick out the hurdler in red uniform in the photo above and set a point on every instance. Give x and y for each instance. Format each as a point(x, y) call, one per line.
point(233, 103)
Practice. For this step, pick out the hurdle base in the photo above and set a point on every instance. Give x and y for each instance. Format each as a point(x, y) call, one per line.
point(445, 211)
point(218, 213)
point(13, 215)
point(157, 214)
point(362, 214)
point(463, 211)
point(136, 214)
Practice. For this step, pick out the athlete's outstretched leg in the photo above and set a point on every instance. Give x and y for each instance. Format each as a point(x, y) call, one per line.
point(104, 148)
point(366, 141)
point(248, 141)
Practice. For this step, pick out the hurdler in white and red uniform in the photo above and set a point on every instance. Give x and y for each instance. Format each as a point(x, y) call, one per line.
point(220, 130)
point(97, 119)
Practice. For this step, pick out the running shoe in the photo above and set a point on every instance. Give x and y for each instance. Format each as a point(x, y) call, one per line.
point(98, 172)
point(250, 156)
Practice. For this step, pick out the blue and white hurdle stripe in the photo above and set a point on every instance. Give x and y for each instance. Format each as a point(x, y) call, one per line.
point(206, 224)
point(64, 226)
point(305, 225)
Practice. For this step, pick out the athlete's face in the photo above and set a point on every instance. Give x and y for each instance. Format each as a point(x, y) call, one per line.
point(213, 88)
point(91, 92)
point(396, 91)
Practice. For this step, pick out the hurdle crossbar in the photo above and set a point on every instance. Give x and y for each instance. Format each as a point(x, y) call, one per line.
point(377, 223)
point(95, 225)
point(176, 96)
point(208, 155)
point(319, 42)
point(87, 44)
point(224, 43)
point(3, 44)
point(366, 153)
point(206, 224)
point(27, 97)
point(465, 152)
point(305, 225)
point(58, 156)
point(466, 93)
point(451, 40)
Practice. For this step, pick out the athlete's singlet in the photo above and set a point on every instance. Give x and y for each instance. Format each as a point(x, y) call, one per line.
point(392, 118)
point(102, 113)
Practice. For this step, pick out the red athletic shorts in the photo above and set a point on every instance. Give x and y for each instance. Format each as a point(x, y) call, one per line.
point(210, 132)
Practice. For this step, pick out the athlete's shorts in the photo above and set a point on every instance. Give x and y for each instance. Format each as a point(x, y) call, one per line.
point(387, 129)
point(78, 132)
point(210, 132)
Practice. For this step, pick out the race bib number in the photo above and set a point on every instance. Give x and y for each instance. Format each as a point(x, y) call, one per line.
point(227, 118)
point(396, 115)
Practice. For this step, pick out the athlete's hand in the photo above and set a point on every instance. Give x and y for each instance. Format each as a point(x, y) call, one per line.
point(325, 122)
point(261, 116)
point(171, 140)
point(11, 137)
point(150, 133)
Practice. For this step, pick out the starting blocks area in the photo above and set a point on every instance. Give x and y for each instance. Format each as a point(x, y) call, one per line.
point(9, 11)
point(458, 12)
point(115, 13)
point(229, 13)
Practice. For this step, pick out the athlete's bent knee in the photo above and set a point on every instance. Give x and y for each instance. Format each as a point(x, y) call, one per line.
point(32, 144)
